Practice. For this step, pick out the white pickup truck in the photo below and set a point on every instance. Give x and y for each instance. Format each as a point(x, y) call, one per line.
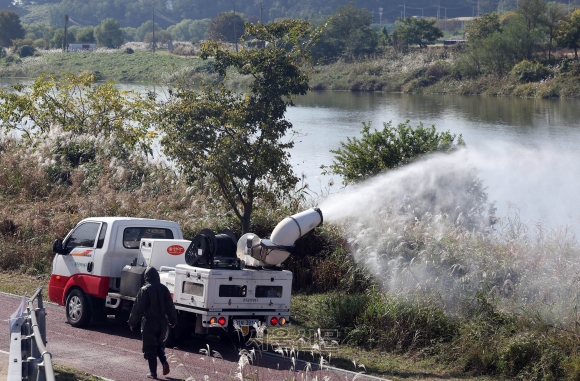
point(216, 283)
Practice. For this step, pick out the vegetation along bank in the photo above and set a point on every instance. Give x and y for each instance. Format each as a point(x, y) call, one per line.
point(529, 51)
point(431, 285)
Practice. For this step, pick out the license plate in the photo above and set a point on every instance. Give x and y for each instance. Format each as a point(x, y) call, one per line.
point(246, 322)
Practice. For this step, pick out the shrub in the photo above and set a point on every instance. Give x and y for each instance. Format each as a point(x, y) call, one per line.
point(527, 71)
point(386, 321)
point(26, 51)
point(437, 71)
point(39, 43)
point(129, 51)
point(521, 352)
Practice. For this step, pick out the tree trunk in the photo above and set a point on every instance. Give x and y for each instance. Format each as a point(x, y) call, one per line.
point(247, 218)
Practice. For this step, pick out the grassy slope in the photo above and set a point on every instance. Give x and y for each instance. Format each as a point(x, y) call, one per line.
point(111, 65)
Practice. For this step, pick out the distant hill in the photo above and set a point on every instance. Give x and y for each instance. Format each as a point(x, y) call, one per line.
point(134, 12)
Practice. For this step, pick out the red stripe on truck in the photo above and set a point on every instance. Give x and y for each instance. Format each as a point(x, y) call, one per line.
point(56, 288)
point(96, 286)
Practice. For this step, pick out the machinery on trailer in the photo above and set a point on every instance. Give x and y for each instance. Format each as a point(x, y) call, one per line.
point(217, 282)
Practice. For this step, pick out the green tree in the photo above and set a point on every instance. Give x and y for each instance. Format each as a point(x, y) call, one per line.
point(129, 33)
point(482, 26)
point(347, 35)
point(534, 12)
point(226, 27)
point(41, 31)
point(10, 28)
point(80, 105)
point(145, 28)
point(500, 51)
point(181, 30)
point(190, 30)
point(555, 12)
point(411, 31)
point(377, 151)
point(568, 33)
point(384, 39)
point(232, 141)
point(161, 37)
point(86, 35)
point(109, 34)
point(198, 30)
point(57, 40)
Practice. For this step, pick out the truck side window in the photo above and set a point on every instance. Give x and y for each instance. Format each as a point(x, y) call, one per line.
point(101, 240)
point(84, 235)
point(132, 236)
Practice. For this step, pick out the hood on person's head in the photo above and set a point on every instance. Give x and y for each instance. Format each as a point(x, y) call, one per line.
point(151, 275)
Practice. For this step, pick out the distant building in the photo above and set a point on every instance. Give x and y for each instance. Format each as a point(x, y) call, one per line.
point(81, 47)
point(453, 42)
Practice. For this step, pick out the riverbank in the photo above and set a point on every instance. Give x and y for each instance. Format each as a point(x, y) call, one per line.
point(438, 71)
point(450, 303)
point(429, 71)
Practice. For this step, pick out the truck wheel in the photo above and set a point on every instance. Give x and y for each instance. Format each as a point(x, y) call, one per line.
point(78, 311)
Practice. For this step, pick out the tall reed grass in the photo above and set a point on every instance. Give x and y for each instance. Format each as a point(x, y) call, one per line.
point(502, 302)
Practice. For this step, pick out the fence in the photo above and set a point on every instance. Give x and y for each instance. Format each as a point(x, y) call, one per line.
point(28, 358)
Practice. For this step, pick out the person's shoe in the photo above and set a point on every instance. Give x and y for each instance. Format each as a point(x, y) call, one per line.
point(151, 375)
point(165, 368)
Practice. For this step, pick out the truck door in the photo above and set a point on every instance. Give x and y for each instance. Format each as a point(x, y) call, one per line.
point(81, 245)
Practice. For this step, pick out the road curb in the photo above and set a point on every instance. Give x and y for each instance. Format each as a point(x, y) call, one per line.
point(359, 376)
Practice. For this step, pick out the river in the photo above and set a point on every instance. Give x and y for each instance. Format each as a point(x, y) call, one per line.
point(526, 150)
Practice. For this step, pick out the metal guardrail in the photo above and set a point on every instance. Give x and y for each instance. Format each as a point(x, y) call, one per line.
point(28, 359)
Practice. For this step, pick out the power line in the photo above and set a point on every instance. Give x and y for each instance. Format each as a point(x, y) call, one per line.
point(166, 18)
point(74, 22)
point(92, 23)
point(81, 23)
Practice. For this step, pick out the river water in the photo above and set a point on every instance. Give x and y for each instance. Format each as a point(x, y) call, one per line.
point(526, 150)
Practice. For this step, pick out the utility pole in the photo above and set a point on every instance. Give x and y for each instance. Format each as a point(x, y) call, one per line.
point(235, 34)
point(65, 42)
point(380, 16)
point(261, 8)
point(153, 42)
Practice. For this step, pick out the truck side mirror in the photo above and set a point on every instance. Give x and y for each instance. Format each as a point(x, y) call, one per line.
point(57, 247)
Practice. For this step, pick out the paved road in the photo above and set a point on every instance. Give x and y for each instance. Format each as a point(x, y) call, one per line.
point(113, 352)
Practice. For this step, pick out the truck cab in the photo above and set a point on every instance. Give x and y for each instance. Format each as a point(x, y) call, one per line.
point(89, 261)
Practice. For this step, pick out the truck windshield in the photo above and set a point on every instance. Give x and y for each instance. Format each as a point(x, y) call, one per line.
point(132, 236)
point(84, 235)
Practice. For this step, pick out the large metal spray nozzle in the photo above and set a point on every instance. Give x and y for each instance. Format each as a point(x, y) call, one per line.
point(275, 250)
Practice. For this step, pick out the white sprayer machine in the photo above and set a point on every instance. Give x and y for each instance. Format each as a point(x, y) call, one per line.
point(216, 281)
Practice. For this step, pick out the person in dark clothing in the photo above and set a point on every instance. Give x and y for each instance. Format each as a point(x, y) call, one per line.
point(154, 309)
